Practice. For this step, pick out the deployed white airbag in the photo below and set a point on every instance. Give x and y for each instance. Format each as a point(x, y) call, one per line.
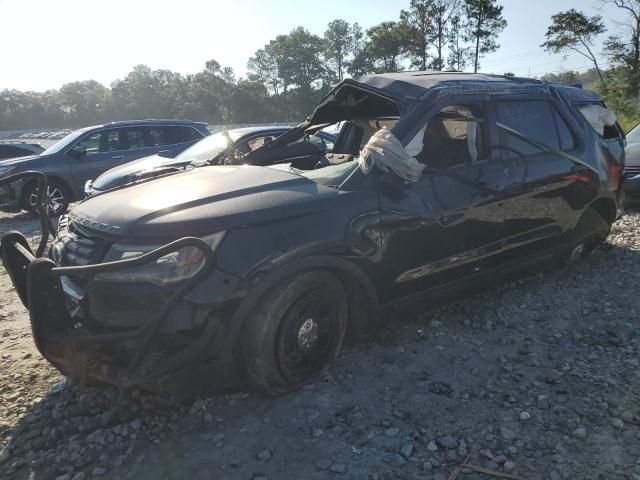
point(385, 150)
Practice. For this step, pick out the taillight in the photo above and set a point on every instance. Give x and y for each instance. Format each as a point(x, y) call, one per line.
point(615, 171)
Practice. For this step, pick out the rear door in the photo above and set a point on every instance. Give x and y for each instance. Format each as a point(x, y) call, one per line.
point(539, 206)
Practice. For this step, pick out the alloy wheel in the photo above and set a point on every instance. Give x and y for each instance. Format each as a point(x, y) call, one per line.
point(55, 200)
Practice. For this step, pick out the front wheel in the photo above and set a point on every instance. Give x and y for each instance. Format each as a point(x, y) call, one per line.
point(294, 332)
point(57, 199)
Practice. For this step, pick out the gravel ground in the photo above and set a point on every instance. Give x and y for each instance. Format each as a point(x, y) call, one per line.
point(537, 379)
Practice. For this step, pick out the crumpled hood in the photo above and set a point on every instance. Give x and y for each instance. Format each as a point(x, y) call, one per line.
point(201, 201)
point(131, 171)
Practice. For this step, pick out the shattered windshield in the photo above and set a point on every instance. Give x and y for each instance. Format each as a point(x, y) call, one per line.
point(206, 149)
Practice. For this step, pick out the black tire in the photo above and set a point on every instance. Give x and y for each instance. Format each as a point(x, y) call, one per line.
point(294, 332)
point(592, 230)
point(57, 204)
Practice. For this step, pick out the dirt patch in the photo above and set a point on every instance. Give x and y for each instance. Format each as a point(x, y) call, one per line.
point(536, 379)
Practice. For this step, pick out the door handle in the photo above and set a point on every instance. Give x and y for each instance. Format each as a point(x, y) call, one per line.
point(118, 157)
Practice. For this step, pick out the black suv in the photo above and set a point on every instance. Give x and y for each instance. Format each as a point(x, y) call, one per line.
point(88, 152)
point(438, 182)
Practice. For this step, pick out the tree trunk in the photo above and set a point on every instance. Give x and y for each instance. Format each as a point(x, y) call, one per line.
point(439, 47)
point(475, 64)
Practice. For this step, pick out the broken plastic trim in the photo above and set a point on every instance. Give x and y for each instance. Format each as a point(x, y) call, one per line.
point(45, 222)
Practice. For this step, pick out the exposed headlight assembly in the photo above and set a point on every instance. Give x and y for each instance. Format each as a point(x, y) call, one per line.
point(172, 268)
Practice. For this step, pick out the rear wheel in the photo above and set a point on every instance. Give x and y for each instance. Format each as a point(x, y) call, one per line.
point(57, 199)
point(592, 230)
point(294, 332)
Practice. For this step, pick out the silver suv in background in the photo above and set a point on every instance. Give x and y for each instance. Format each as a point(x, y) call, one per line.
point(87, 153)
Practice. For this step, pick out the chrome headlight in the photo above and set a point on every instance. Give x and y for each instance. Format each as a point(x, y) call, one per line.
point(173, 267)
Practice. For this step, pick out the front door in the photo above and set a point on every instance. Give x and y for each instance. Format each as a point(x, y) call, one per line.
point(449, 224)
point(102, 150)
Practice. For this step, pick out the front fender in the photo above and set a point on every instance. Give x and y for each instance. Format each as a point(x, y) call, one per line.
point(263, 280)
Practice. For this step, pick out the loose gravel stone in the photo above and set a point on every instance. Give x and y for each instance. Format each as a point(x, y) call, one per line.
point(264, 455)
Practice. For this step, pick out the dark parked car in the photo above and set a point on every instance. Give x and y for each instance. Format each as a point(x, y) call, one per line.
point(438, 183)
point(88, 152)
point(227, 147)
point(632, 166)
point(12, 149)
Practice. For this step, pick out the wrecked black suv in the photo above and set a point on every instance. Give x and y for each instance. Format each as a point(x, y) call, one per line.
point(437, 183)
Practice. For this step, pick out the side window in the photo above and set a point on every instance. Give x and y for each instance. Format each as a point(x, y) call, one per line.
point(155, 136)
point(91, 143)
point(134, 139)
point(567, 140)
point(530, 118)
point(111, 141)
point(456, 135)
point(182, 134)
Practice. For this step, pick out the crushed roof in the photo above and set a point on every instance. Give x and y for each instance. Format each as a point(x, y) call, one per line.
point(413, 85)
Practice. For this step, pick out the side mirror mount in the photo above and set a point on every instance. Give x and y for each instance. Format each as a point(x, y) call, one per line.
point(78, 151)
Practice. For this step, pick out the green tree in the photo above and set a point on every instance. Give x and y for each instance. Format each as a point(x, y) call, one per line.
point(623, 54)
point(442, 12)
point(359, 64)
point(419, 26)
point(483, 24)
point(459, 53)
point(388, 42)
point(573, 30)
point(85, 102)
point(338, 39)
point(247, 103)
point(264, 65)
point(302, 63)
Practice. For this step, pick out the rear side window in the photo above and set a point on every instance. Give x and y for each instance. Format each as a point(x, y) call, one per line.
point(182, 134)
point(533, 119)
point(155, 136)
point(601, 119)
point(134, 138)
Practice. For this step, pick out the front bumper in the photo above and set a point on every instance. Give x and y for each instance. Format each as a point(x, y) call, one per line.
point(87, 353)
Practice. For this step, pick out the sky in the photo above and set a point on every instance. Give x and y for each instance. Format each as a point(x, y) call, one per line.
point(48, 43)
